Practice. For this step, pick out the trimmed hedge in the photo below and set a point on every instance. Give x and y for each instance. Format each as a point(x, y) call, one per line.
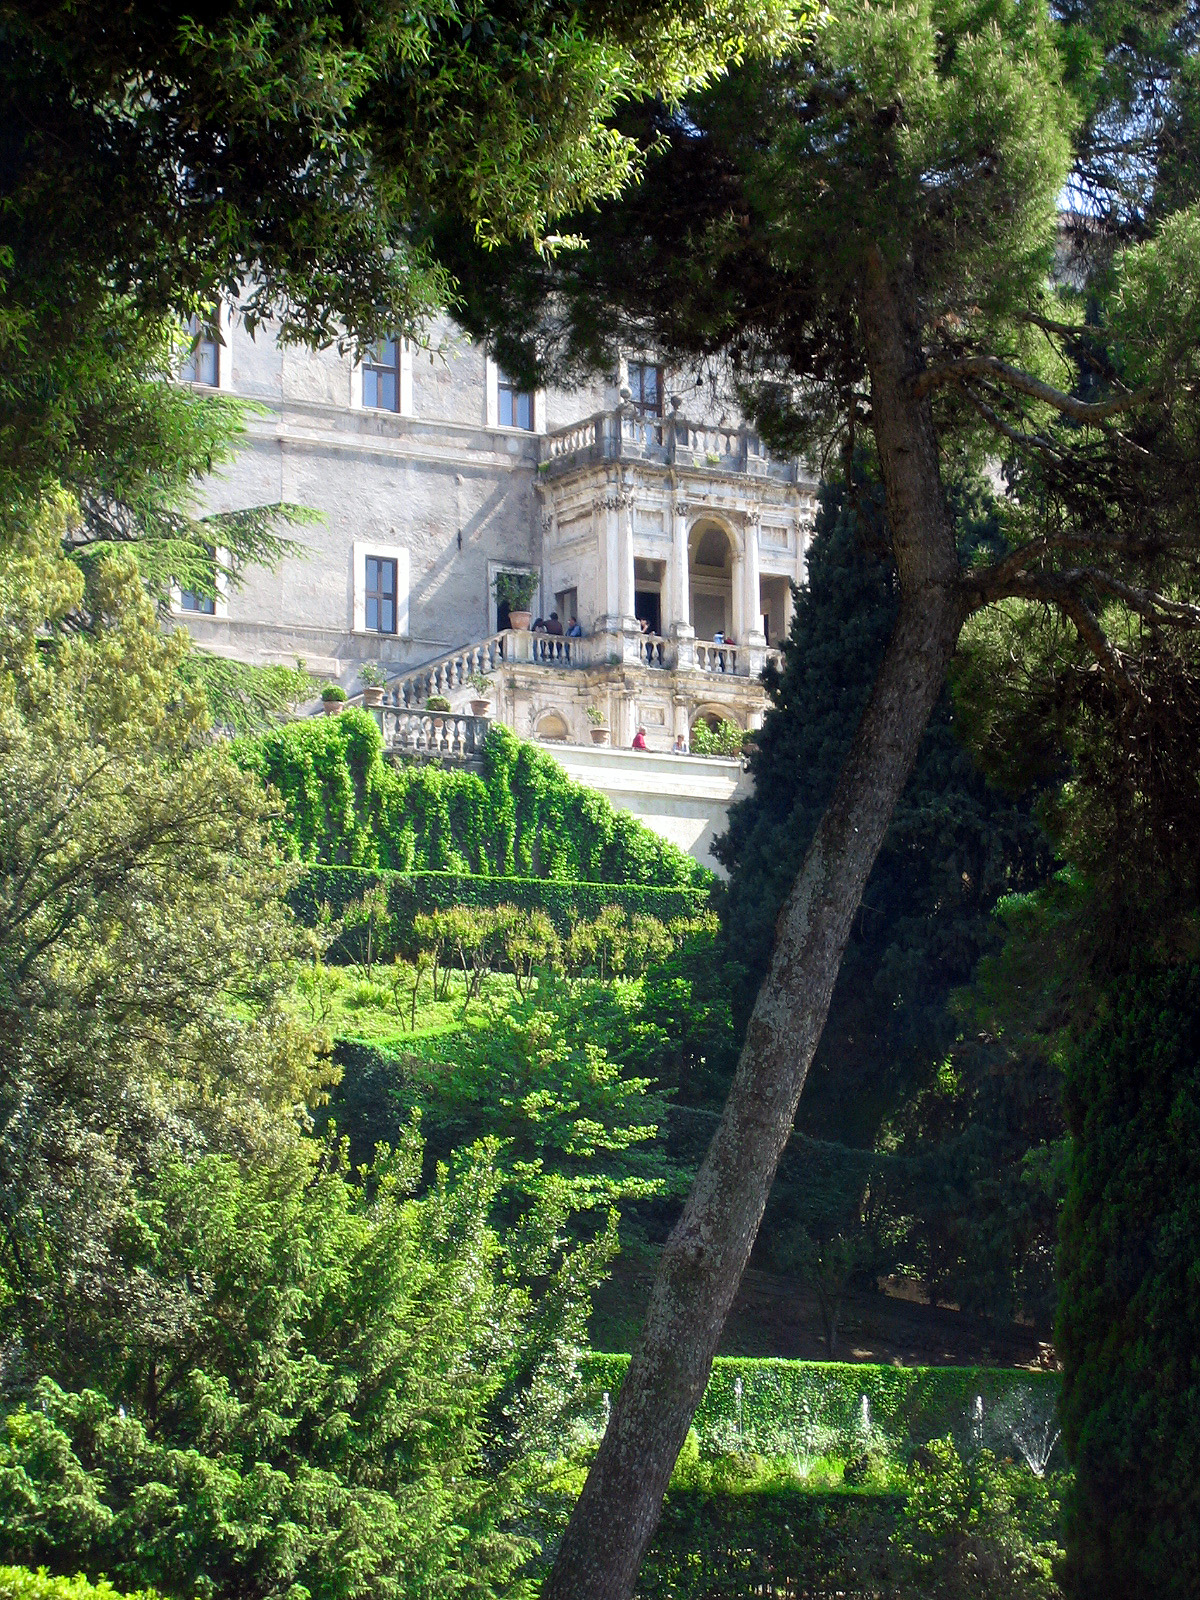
point(781, 1542)
point(414, 892)
point(816, 1407)
point(346, 806)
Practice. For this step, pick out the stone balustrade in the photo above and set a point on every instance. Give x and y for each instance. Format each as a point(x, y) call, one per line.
point(406, 697)
point(448, 673)
point(723, 658)
point(673, 440)
point(436, 733)
point(567, 441)
point(657, 651)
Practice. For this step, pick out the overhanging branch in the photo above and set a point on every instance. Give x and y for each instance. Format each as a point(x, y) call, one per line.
point(1024, 383)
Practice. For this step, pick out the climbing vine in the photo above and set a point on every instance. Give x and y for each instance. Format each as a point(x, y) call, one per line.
point(345, 805)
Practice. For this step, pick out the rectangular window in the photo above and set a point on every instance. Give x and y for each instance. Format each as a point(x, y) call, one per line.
point(646, 385)
point(380, 595)
point(566, 603)
point(514, 409)
point(201, 362)
point(646, 391)
point(203, 604)
point(381, 381)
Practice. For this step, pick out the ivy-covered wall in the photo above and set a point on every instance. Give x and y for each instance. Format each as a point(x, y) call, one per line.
point(778, 1407)
point(345, 805)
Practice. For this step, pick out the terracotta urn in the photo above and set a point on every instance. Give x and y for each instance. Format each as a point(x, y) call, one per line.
point(373, 695)
point(481, 708)
point(332, 707)
point(520, 620)
point(599, 735)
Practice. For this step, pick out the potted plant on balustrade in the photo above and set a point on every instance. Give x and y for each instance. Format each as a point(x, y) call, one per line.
point(599, 724)
point(515, 590)
point(333, 698)
point(481, 705)
point(374, 681)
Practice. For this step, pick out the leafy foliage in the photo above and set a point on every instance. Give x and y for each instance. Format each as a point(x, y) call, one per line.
point(724, 1545)
point(802, 1408)
point(971, 1530)
point(410, 893)
point(95, 416)
point(899, 1163)
point(955, 845)
point(352, 1396)
point(312, 141)
point(142, 946)
point(345, 805)
point(516, 589)
point(549, 1076)
point(723, 740)
point(245, 699)
point(19, 1583)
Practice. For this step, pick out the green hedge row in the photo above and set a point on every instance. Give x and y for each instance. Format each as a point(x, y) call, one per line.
point(783, 1542)
point(345, 805)
point(413, 892)
point(812, 1408)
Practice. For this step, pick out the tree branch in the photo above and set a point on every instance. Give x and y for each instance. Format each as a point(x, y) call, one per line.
point(1025, 383)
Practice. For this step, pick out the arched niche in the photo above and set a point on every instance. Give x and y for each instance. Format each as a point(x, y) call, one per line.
point(552, 728)
point(712, 551)
point(712, 715)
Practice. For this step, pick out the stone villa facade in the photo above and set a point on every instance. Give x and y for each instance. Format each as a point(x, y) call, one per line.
point(433, 475)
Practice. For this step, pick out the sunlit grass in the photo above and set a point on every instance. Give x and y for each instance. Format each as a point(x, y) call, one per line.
point(397, 1003)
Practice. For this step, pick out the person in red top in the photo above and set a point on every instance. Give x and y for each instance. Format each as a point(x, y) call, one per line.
point(639, 740)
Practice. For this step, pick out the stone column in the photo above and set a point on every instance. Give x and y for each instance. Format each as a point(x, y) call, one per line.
point(625, 561)
point(608, 556)
point(680, 622)
point(626, 725)
point(753, 600)
point(738, 628)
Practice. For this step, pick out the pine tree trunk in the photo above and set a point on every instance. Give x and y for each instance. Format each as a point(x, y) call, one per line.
point(707, 1252)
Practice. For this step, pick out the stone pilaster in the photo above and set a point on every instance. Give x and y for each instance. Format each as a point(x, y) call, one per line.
point(679, 625)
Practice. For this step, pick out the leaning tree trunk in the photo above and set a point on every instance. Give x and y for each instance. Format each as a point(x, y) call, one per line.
point(707, 1252)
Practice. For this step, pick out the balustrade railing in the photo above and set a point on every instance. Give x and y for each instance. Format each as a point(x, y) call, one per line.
point(713, 657)
point(438, 733)
point(579, 436)
point(672, 439)
point(447, 673)
point(656, 651)
point(406, 696)
point(554, 650)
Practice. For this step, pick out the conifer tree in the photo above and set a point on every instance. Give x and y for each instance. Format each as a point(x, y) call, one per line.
point(864, 239)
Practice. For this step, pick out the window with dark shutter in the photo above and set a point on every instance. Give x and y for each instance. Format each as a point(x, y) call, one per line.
point(380, 595)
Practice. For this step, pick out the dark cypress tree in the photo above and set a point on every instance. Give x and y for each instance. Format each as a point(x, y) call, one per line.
point(955, 845)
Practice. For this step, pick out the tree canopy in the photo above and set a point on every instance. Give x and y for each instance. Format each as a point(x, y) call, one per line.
point(283, 156)
point(861, 239)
